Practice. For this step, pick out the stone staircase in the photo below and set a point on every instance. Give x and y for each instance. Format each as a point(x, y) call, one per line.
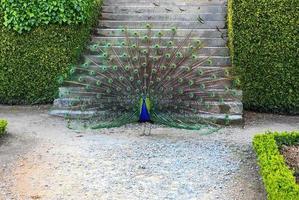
point(207, 18)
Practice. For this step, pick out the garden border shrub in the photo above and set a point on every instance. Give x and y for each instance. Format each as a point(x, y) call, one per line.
point(278, 179)
point(31, 62)
point(23, 15)
point(3, 125)
point(263, 41)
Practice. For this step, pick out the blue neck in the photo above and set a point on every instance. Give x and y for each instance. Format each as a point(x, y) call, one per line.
point(144, 114)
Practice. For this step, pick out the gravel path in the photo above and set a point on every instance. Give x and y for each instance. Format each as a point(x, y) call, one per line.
point(41, 159)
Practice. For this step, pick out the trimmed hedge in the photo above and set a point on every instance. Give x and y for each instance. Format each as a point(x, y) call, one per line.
point(263, 40)
point(30, 63)
point(23, 15)
point(3, 125)
point(278, 179)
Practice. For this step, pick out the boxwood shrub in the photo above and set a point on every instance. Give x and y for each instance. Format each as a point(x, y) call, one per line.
point(22, 15)
point(3, 124)
point(263, 39)
point(31, 62)
point(278, 179)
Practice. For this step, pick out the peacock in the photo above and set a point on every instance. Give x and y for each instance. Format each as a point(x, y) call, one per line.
point(146, 79)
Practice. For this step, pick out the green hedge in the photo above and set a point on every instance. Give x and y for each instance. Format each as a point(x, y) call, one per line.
point(31, 62)
point(22, 15)
point(3, 124)
point(263, 39)
point(278, 179)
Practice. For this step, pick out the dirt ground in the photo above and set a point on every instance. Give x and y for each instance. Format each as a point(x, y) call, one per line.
point(291, 156)
point(41, 159)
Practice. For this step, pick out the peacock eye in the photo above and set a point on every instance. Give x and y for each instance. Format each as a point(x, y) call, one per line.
point(170, 43)
point(114, 67)
point(92, 73)
point(127, 67)
point(173, 65)
point(98, 83)
point(163, 67)
point(198, 42)
point(179, 55)
point(191, 82)
point(73, 70)
point(202, 86)
point(110, 80)
point(154, 71)
point(144, 51)
point(148, 25)
point(200, 72)
point(214, 76)
point(87, 87)
point(191, 95)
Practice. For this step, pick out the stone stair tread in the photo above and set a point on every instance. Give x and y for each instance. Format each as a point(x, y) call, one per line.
point(216, 51)
point(163, 24)
point(215, 60)
point(163, 3)
point(164, 17)
point(216, 9)
point(116, 41)
point(201, 33)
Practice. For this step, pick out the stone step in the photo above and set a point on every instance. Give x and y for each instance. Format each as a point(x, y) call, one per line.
point(214, 106)
point(158, 3)
point(206, 42)
point(215, 51)
point(201, 33)
point(123, 9)
point(207, 72)
point(214, 60)
point(81, 115)
point(74, 92)
point(163, 24)
point(222, 84)
point(164, 17)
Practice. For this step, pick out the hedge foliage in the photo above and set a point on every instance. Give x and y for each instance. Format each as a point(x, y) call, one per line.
point(3, 125)
point(31, 62)
point(23, 15)
point(263, 39)
point(278, 179)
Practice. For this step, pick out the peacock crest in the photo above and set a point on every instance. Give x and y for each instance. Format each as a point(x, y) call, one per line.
point(144, 78)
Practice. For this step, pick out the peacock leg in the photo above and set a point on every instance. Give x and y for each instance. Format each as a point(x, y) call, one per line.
point(148, 133)
point(144, 128)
